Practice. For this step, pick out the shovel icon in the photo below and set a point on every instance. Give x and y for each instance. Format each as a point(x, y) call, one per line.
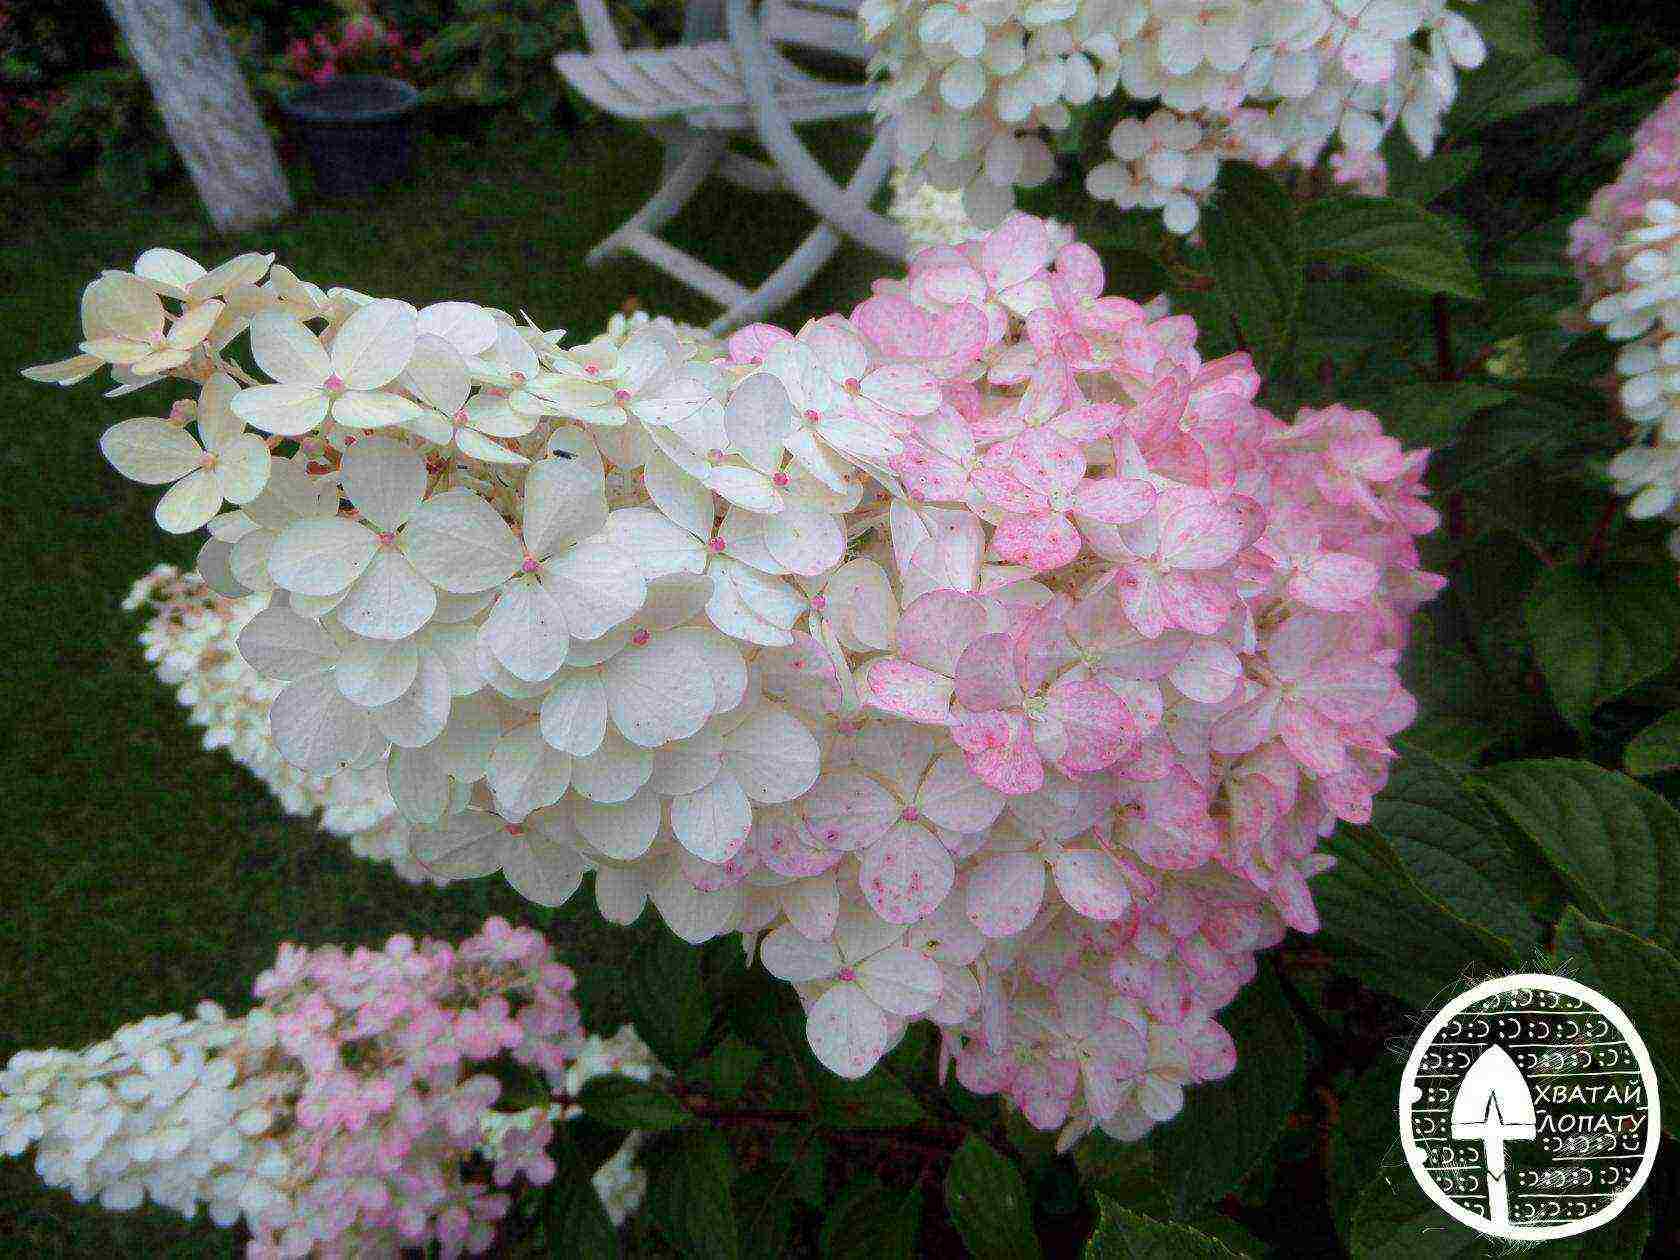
point(1494, 1105)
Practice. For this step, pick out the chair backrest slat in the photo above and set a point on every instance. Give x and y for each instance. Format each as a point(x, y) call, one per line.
point(826, 25)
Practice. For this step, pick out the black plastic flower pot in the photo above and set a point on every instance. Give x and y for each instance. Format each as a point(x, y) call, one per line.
point(356, 130)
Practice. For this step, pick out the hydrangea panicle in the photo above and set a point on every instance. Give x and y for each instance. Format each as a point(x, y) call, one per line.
point(985, 656)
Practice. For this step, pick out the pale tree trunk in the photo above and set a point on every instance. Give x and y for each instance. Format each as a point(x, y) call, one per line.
point(211, 117)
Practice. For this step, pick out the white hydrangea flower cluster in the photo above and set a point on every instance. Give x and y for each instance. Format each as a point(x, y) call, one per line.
point(192, 637)
point(1626, 250)
point(161, 1109)
point(620, 1182)
point(984, 656)
point(972, 84)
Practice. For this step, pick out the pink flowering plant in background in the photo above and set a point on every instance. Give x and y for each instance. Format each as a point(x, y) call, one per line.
point(1066, 710)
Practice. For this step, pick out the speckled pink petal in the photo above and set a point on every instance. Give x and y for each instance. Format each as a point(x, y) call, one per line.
point(907, 875)
point(938, 626)
point(752, 343)
point(1079, 272)
point(986, 675)
point(1199, 536)
point(1017, 249)
point(1139, 591)
point(1114, 500)
point(1092, 883)
point(1089, 422)
point(996, 482)
point(848, 1032)
point(1099, 729)
point(1000, 751)
point(1005, 892)
point(1349, 690)
point(1335, 582)
point(846, 810)
point(1197, 602)
point(906, 690)
point(1039, 542)
point(1313, 741)
point(1208, 671)
point(1046, 462)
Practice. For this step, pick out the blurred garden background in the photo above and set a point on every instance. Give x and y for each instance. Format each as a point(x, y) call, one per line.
point(146, 872)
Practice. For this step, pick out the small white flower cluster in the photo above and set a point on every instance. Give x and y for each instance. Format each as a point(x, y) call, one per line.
point(1626, 250)
point(161, 1109)
point(192, 637)
point(620, 1182)
point(929, 216)
point(971, 84)
point(334, 1118)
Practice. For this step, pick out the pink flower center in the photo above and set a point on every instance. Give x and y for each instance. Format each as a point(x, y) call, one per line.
point(334, 383)
point(717, 545)
point(640, 638)
point(207, 460)
point(461, 416)
point(529, 564)
point(591, 369)
point(715, 455)
point(782, 480)
point(386, 538)
point(811, 415)
point(911, 813)
point(819, 602)
point(514, 829)
point(852, 385)
point(847, 974)
point(621, 395)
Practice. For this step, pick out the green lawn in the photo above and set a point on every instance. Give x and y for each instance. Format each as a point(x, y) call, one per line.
point(146, 872)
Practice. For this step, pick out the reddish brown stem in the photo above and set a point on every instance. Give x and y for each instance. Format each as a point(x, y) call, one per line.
point(1445, 369)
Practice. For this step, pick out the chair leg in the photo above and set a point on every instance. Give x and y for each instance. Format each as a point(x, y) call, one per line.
point(789, 278)
point(694, 153)
point(815, 250)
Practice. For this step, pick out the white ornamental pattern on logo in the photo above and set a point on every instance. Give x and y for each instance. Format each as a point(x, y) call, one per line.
point(1529, 1110)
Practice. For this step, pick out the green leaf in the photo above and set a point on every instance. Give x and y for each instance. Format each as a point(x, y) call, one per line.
point(1425, 413)
point(988, 1204)
point(1656, 748)
point(1404, 941)
point(1511, 26)
point(1643, 979)
point(1395, 1220)
point(1423, 181)
point(872, 1222)
point(1250, 233)
point(804, 1155)
point(1227, 1127)
point(1599, 632)
point(1507, 86)
point(1125, 1235)
point(1366, 1138)
point(764, 1213)
point(627, 1104)
point(691, 1196)
point(877, 1101)
point(667, 998)
point(1615, 843)
point(1451, 847)
point(1458, 742)
point(1396, 239)
point(1124, 1171)
point(574, 1222)
point(725, 1072)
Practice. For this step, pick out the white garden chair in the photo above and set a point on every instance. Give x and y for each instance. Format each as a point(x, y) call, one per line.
point(726, 79)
